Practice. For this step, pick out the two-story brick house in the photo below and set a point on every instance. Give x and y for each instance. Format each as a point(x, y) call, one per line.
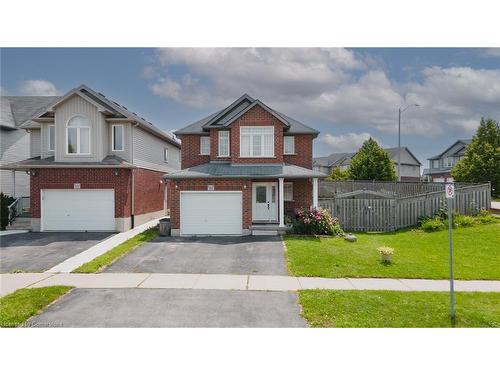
point(243, 166)
point(95, 166)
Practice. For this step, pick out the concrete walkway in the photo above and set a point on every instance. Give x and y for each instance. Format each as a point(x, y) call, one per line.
point(11, 282)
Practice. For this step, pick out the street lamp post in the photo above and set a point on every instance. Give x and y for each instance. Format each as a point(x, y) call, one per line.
point(400, 111)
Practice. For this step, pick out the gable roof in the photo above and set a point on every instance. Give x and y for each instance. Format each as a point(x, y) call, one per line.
point(110, 108)
point(338, 159)
point(243, 104)
point(465, 143)
point(19, 110)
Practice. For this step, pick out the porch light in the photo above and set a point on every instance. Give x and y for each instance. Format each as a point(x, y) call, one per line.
point(116, 172)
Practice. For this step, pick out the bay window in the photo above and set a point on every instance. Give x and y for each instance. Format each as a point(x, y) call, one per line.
point(78, 135)
point(256, 141)
point(223, 143)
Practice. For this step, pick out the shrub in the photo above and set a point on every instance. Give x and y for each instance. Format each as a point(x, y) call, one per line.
point(385, 253)
point(315, 221)
point(463, 221)
point(5, 201)
point(432, 224)
point(484, 217)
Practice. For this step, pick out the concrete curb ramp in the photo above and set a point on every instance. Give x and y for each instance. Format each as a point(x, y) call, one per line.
point(12, 282)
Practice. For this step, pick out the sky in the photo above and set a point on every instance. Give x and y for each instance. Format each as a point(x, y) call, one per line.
point(347, 94)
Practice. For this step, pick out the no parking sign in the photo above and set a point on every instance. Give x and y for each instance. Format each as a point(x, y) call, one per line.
point(450, 191)
point(450, 194)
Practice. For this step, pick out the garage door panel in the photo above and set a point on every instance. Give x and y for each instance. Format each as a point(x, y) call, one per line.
point(78, 209)
point(211, 213)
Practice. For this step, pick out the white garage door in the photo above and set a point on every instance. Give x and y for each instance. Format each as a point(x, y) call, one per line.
point(210, 213)
point(78, 209)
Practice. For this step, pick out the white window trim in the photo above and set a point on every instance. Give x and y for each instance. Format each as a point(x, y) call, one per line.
point(251, 143)
point(113, 148)
point(293, 145)
point(78, 153)
point(284, 195)
point(221, 132)
point(53, 127)
point(206, 138)
point(165, 154)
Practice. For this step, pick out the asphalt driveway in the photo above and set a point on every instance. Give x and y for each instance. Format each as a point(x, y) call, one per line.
point(171, 308)
point(214, 255)
point(37, 252)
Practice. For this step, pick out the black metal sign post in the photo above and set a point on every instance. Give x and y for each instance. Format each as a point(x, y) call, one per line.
point(450, 195)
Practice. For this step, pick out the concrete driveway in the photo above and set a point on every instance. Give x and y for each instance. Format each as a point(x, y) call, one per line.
point(214, 255)
point(37, 252)
point(171, 308)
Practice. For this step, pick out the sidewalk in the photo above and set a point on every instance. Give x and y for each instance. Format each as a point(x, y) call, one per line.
point(11, 282)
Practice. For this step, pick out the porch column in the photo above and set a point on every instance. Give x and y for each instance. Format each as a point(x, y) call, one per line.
point(315, 192)
point(281, 201)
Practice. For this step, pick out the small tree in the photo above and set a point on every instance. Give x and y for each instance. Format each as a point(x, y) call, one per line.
point(338, 175)
point(372, 162)
point(481, 162)
point(5, 201)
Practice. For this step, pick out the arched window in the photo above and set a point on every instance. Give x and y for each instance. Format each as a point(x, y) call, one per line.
point(78, 135)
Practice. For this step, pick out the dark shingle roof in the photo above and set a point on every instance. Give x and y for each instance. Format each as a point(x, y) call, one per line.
point(337, 159)
point(19, 110)
point(464, 141)
point(111, 161)
point(227, 115)
point(228, 170)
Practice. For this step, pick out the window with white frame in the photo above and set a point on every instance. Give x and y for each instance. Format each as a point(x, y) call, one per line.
point(78, 135)
point(288, 191)
point(165, 155)
point(256, 141)
point(117, 137)
point(289, 145)
point(448, 162)
point(435, 164)
point(223, 143)
point(52, 137)
point(204, 145)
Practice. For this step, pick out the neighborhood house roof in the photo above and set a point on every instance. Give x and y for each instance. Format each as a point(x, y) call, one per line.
point(226, 116)
point(465, 142)
point(228, 170)
point(110, 161)
point(19, 110)
point(338, 159)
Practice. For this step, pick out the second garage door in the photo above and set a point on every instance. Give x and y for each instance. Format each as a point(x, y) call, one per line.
point(211, 213)
point(78, 209)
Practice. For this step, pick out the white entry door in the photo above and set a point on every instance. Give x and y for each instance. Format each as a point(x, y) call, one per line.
point(78, 209)
point(265, 201)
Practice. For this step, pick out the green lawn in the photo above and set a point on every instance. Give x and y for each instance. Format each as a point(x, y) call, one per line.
point(349, 308)
point(417, 255)
point(17, 307)
point(97, 264)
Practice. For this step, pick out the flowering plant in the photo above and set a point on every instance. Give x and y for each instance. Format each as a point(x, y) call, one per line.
point(315, 221)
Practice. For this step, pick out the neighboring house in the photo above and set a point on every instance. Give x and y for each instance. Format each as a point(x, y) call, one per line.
point(440, 166)
point(97, 166)
point(410, 165)
point(15, 141)
point(244, 165)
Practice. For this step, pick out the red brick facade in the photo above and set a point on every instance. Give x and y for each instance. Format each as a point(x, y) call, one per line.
point(190, 151)
point(149, 192)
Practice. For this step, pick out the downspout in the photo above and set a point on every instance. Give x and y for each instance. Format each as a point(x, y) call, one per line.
point(132, 143)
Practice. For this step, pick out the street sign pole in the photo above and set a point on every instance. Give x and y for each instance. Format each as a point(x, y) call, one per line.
point(450, 195)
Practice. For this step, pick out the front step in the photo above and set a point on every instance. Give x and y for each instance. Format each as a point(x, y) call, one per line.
point(21, 223)
point(267, 229)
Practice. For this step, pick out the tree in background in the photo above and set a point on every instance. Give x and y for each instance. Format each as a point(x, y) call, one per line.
point(481, 162)
point(338, 175)
point(372, 162)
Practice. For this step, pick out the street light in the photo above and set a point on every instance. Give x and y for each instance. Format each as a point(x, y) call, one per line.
point(399, 136)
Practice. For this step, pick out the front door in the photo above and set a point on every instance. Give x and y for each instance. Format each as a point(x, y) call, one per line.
point(265, 201)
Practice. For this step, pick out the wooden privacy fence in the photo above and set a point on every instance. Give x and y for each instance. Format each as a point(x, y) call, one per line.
point(389, 214)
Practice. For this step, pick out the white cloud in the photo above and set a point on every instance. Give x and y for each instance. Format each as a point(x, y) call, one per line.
point(344, 143)
point(335, 86)
point(38, 87)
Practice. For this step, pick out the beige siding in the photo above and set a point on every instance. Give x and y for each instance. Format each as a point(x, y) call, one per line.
point(78, 106)
point(148, 152)
point(35, 143)
point(126, 154)
point(44, 135)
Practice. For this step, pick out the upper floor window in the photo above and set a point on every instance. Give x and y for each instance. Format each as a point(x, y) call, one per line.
point(289, 145)
point(117, 138)
point(223, 143)
point(257, 141)
point(435, 163)
point(165, 155)
point(448, 162)
point(204, 145)
point(78, 135)
point(52, 137)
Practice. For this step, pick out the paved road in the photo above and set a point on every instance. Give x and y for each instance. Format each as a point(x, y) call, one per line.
point(213, 255)
point(36, 252)
point(171, 308)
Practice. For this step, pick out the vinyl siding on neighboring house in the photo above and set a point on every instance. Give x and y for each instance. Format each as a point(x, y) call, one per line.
point(148, 152)
point(98, 133)
point(14, 146)
point(44, 139)
point(35, 143)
